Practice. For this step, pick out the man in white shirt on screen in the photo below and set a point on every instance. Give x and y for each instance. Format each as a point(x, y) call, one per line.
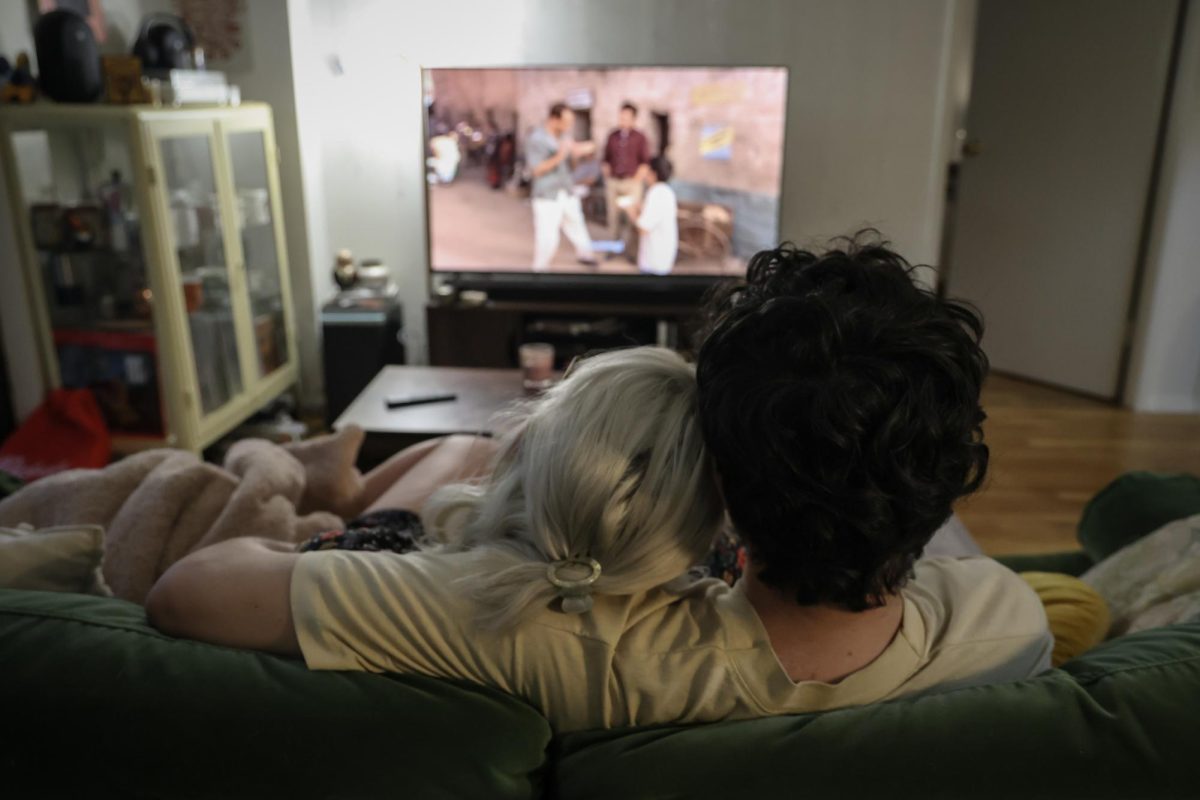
point(657, 221)
point(556, 207)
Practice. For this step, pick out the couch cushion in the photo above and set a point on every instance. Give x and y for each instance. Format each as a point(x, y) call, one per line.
point(97, 703)
point(1072, 562)
point(1134, 505)
point(1155, 581)
point(1116, 722)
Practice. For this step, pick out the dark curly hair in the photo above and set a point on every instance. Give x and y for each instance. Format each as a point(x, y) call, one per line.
point(840, 401)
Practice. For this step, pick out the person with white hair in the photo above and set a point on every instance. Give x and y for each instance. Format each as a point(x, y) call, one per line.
point(562, 576)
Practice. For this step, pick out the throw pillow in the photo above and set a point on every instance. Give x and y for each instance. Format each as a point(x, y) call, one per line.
point(61, 559)
point(1154, 581)
point(1077, 614)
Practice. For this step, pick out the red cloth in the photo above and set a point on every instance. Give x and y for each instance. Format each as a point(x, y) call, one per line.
point(67, 431)
point(625, 153)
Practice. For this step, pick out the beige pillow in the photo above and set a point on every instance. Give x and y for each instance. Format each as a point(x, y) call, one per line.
point(1153, 582)
point(67, 558)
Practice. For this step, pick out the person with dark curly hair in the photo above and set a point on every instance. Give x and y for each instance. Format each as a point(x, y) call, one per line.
point(840, 402)
point(834, 414)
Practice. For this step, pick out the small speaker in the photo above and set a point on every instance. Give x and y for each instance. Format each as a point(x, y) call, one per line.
point(68, 59)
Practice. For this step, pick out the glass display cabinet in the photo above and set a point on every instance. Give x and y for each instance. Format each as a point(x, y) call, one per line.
point(154, 262)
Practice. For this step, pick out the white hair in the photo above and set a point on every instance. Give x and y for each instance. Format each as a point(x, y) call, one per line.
point(609, 464)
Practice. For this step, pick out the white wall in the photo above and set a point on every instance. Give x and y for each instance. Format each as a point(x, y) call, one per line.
point(266, 72)
point(869, 123)
point(868, 128)
point(1165, 373)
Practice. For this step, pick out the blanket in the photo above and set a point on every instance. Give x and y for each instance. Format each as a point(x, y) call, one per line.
point(159, 505)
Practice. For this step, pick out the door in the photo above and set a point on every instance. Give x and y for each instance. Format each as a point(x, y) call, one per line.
point(1065, 110)
point(208, 296)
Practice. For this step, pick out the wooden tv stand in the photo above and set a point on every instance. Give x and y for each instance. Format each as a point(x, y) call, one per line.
point(488, 335)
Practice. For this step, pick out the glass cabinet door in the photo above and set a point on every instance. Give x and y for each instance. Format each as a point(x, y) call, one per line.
point(84, 228)
point(257, 228)
point(197, 239)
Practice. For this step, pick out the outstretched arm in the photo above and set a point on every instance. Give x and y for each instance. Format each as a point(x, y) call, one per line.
point(411, 476)
point(552, 162)
point(236, 593)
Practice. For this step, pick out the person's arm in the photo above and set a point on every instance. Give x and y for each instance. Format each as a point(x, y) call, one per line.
point(643, 157)
point(381, 478)
point(236, 593)
point(411, 476)
point(547, 163)
point(648, 214)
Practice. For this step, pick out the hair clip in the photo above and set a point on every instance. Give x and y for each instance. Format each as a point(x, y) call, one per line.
point(573, 577)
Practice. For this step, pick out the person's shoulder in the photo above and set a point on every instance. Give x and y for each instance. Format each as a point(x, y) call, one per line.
point(969, 577)
point(698, 616)
point(430, 569)
point(973, 599)
point(978, 623)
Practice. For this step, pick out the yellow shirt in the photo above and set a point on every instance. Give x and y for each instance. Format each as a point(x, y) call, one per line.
point(699, 656)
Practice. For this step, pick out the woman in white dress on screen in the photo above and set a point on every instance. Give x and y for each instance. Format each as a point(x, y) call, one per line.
point(658, 221)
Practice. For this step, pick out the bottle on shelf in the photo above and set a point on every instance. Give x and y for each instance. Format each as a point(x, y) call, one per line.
point(116, 197)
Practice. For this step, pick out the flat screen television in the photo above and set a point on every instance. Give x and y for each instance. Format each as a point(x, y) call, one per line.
point(562, 174)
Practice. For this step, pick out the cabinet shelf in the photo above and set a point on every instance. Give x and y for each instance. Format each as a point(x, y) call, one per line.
point(129, 219)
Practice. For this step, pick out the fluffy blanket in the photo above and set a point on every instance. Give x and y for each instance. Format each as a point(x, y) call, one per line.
point(159, 505)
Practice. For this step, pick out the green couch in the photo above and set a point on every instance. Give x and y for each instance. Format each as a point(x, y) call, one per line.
point(96, 703)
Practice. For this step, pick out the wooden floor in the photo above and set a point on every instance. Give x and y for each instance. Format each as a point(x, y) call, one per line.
point(1051, 451)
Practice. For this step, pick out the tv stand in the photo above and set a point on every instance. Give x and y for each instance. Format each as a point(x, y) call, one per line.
point(488, 334)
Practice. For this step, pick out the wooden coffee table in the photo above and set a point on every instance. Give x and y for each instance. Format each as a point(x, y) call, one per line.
point(482, 394)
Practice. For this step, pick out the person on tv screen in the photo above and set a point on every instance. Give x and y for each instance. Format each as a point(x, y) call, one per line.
point(626, 158)
point(556, 207)
point(657, 221)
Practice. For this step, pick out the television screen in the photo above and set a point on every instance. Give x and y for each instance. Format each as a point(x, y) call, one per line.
point(603, 170)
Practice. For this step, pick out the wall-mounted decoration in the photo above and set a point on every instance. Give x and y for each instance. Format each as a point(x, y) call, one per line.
point(579, 99)
point(718, 94)
point(220, 28)
point(716, 142)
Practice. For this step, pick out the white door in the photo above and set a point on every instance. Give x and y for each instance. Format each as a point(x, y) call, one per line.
point(1065, 108)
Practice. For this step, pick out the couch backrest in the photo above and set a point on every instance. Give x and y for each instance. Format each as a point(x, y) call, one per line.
point(1121, 721)
point(96, 703)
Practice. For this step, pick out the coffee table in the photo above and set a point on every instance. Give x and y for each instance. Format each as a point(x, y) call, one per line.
point(482, 394)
